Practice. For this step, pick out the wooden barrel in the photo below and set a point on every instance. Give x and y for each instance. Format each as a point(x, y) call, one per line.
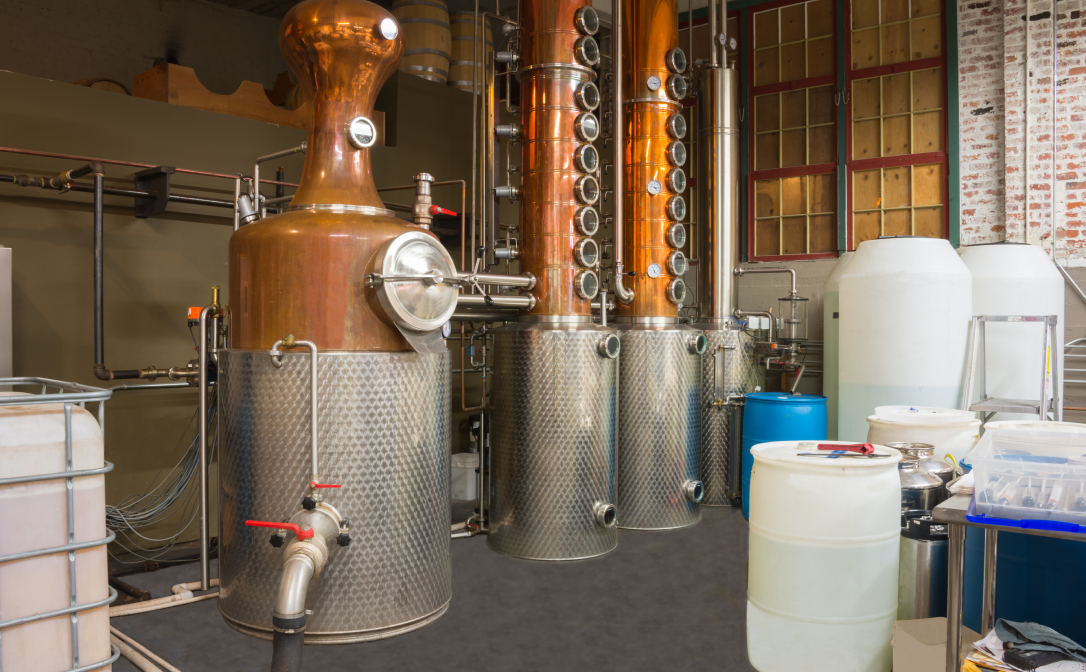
point(427, 39)
point(463, 51)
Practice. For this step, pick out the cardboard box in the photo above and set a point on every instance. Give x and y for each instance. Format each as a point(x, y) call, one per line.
point(920, 645)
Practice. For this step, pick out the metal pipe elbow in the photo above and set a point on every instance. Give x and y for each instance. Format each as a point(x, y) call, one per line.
point(622, 293)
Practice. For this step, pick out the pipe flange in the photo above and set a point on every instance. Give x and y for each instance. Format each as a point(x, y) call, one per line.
point(609, 346)
point(605, 514)
point(697, 344)
point(694, 491)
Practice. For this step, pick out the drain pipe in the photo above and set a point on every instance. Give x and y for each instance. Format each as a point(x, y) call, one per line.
point(622, 293)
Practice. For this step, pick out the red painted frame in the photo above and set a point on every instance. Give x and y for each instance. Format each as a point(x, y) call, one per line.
point(942, 157)
point(794, 171)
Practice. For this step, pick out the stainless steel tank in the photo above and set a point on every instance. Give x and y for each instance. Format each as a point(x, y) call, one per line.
point(384, 424)
point(553, 457)
point(659, 393)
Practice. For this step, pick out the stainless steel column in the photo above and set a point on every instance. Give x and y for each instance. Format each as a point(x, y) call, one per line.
point(954, 597)
point(987, 619)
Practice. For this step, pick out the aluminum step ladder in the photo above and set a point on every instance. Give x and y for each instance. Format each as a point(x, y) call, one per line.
point(1049, 401)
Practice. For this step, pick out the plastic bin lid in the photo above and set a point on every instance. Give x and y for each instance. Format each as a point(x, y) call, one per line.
point(923, 415)
point(786, 398)
point(470, 460)
point(788, 451)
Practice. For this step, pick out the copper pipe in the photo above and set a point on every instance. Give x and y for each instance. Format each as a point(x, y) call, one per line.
point(650, 29)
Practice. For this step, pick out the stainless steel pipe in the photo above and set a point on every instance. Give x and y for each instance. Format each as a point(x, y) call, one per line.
point(205, 530)
point(740, 271)
point(523, 302)
point(618, 140)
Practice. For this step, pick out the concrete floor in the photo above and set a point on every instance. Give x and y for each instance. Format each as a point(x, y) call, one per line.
point(661, 601)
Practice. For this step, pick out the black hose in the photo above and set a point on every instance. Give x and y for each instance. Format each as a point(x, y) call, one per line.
point(287, 644)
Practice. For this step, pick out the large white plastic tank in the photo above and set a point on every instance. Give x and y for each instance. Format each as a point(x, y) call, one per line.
point(34, 516)
point(953, 432)
point(823, 568)
point(906, 304)
point(831, 306)
point(1016, 279)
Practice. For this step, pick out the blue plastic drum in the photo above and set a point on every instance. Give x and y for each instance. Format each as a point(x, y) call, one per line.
point(779, 416)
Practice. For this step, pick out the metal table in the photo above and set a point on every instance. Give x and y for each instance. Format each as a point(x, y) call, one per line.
point(952, 513)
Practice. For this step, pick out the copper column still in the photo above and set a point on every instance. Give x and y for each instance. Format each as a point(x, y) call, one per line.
point(658, 486)
point(552, 486)
point(380, 459)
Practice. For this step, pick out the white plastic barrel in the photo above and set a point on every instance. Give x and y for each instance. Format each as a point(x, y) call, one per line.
point(906, 305)
point(823, 569)
point(953, 432)
point(1016, 279)
point(831, 307)
point(1035, 425)
point(34, 516)
point(465, 482)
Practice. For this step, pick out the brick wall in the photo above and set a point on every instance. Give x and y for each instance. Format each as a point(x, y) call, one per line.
point(69, 40)
point(992, 81)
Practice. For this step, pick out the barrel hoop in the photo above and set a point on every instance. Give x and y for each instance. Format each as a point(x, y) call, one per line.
point(826, 620)
point(459, 82)
point(461, 62)
point(433, 78)
point(425, 3)
point(435, 52)
point(430, 21)
point(426, 68)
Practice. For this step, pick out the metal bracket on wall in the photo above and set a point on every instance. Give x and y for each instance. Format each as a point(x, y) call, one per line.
point(157, 181)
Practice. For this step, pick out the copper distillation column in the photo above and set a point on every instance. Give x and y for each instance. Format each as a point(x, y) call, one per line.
point(554, 397)
point(350, 434)
point(658, 486)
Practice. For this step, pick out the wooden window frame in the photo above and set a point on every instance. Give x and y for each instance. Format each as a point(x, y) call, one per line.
point(753, 175)
point(938, 157)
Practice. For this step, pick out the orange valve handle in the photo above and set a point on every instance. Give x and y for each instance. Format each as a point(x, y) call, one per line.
point(438, 210)
point(298, 532)
point(861, 448)
point(314, 484)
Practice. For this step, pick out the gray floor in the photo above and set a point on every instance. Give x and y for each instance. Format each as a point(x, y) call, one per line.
point(663, 600)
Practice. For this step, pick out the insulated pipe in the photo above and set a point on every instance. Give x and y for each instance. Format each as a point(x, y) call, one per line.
point(119, 638)
point(618, 137)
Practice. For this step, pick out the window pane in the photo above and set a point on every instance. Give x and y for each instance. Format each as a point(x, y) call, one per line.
point(767, 114)
point(767, 195)
point(766, 66)
point(928, 184)
point(768, 151)
point(767, 237)
point(892, 10)
point(927, 38)
point(865, 98)
point(793, 62)
point(765, 29)
point(822, 110)
point(866, 189)
point(794, 235)
point(895, 43)
point(793, 148)
point(865, 13)
point(822, 234)
point(793, 23)
point(897, 223)
point(795, 196)
point(926, 8)
point(895, 136)
point(927, 89)
point(865, 48)
point(865, 139)
point(794, 109)
point(896, 187)
point(819, 18)
point(865, 226)
point(821, 149)
point(928, 222)
point(820, 58)
point(823, 193)
point(928, 132)
point(895, 94)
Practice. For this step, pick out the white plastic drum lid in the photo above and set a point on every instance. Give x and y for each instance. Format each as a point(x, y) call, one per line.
point(923, 415)
point(789, 452)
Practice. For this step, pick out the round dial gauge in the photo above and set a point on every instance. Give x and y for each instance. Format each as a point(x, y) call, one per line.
point(654, 83)
point(655, 270)
point(655, 187)
point(361, 132)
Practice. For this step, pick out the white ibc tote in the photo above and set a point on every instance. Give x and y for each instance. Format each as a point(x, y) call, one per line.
point(823, 568)
point(1016, 279)
point(831, 307)
point(906, 305)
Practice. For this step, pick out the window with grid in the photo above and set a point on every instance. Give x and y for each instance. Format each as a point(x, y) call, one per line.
point(793, 68)
point(896, 110)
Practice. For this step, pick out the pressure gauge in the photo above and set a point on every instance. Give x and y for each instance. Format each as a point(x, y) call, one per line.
point(586, 252)
point(676, 208)
point(587, 20)
point(587, 51)
point(654, 83)
point(676, 263)
point(676, 235)
point(655, 187)
point(389, 29)
point(587, 127)
point(446, 330)
point(361, 132)
point(586, 158)
point(676, 153)
point(676, 126)
point(676, 60)
point(676, 291)
point(655, 270)
point(587, 190)
point(733, 44)
point(587, 220)
point(676, 87)
point(587, 96)
point(676, 180)
point(587, 285)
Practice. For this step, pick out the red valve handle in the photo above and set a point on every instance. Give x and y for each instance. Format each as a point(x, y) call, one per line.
point(861, 448)
point(298, 532)
point(438, 210)
point(314, 484)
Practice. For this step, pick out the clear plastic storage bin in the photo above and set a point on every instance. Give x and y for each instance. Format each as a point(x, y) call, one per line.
point(1031, 475)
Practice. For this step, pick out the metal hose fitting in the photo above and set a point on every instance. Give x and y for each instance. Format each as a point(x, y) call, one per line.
point(605, 515)
point(694, 491)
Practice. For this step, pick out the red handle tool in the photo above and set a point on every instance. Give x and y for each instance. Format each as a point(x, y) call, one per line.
point(438, 210)
point(861, 448)
point(298, 532)
point(314, 484)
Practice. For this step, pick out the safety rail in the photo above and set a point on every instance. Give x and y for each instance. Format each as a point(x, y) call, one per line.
point(69, 394)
